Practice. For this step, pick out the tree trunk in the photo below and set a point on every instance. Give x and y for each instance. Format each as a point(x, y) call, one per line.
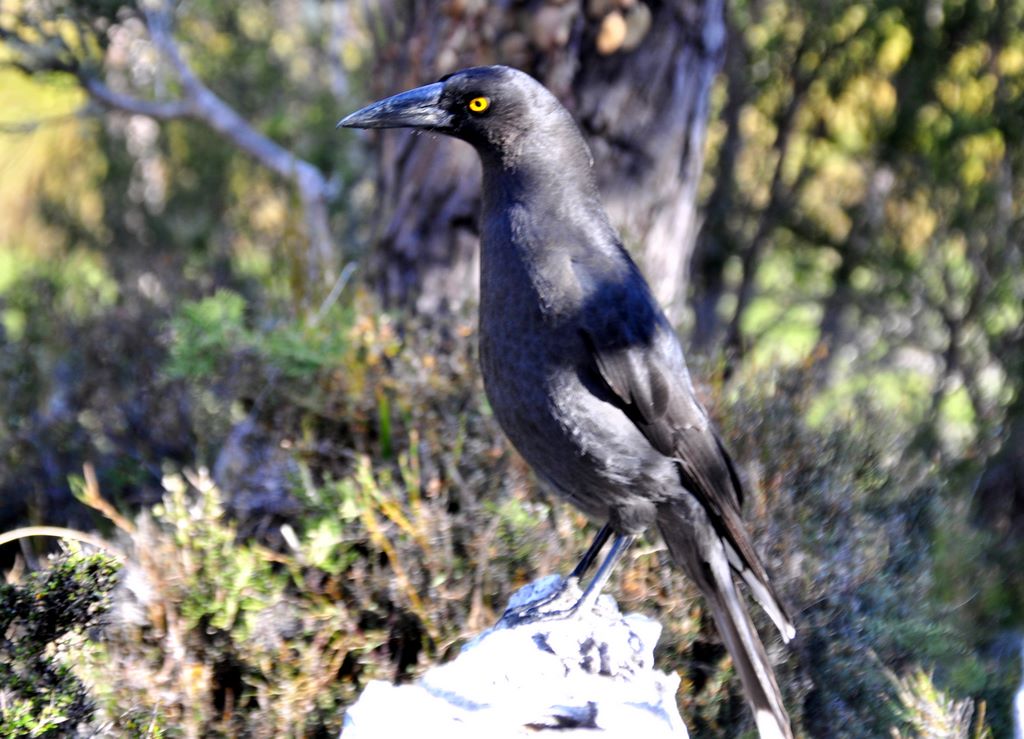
point(635, 75)
point(999, 496)
point(717, 240)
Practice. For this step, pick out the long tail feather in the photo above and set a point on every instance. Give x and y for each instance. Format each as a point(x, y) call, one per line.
point(697, 548)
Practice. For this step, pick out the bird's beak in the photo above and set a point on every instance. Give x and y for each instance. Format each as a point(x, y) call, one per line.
point(418, 108)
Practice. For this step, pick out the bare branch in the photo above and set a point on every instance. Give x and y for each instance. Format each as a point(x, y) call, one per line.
point(204, 105)
point(163, 110)
point(49, 55)
point(214, 112)
point(199, 103)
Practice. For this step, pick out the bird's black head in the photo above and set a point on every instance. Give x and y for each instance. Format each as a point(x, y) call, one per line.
point(493, 108)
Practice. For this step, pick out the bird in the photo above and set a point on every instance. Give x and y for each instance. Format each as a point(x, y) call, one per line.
point(581, 367)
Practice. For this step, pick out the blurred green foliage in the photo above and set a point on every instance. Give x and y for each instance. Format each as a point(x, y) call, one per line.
point(40, 620)
point(209, 333)
point(855, 517)
point(864, 166)
point(857, 293)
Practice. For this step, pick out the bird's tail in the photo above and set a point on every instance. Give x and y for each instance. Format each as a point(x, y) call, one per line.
point(698, 550)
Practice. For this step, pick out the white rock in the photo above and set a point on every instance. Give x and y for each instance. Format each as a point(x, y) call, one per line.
point(1018, 702)
point(585, 674)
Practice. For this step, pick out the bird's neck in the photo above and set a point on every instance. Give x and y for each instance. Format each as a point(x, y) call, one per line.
point(552, 164)
point(541, 221)
point(556, 188)
point(542, 206)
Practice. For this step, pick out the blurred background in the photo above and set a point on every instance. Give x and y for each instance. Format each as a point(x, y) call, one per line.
point(238, 344)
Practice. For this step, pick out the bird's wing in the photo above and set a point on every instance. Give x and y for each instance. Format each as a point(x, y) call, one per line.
point(636, 355)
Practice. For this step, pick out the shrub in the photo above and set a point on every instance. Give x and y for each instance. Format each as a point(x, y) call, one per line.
point(40, 621)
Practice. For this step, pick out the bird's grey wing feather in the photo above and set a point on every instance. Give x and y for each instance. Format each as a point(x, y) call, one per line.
point(635, 356)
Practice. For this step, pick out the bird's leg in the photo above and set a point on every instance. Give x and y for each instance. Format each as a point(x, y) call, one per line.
point(595, 549)
point(619, 547)
point(550, 606)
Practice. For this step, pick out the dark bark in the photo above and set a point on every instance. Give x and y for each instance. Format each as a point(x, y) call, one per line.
point(717, 241)
point(868, 219)
point(999, 497)
point(779, 201)
point(637, 81)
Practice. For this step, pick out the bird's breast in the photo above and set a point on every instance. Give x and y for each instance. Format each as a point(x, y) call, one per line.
point(534, 363)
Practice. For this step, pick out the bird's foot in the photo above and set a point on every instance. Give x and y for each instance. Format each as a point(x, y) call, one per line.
point(553, 598)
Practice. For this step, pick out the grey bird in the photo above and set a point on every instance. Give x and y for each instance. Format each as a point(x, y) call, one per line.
point(582, 369)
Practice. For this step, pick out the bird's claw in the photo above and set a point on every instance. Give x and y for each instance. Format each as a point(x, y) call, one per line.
point(560, 603)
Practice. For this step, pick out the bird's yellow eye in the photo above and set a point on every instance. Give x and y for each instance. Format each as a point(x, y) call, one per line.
point(479, 104)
